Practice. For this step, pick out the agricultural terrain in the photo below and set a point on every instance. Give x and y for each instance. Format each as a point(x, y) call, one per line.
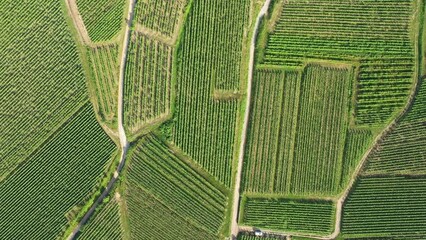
point(213, 119)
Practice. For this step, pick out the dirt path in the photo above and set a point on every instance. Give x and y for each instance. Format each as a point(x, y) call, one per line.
point(122, 135)
point(235, 205)
point(78, 21)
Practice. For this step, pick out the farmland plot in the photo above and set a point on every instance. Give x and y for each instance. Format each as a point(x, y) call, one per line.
point(289, 215)
point(204, 128)
point(375, 34)
point(105, 224)
point(147, 87)
point(104, 67)
point(166, 182)
point(103, 19)
point(162, 16)
point(298, 129)
point(38, 198)
point(387, 206)
point(42, 82)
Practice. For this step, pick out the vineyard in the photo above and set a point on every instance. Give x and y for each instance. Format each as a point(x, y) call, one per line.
point(162, 16)
point(149, 218)
point(103, 19)
point(289, 215)
point(248, 237)
point(147, 86)
point(155, 173)
point(42, 81)
point(356, 143)
point(402, 152)
point(387, 206)
point(105, 224)
point(54, 179)
point(377, 35)
point(297, 130)
point(205, 128)
point(104, 66)
point(268, 153)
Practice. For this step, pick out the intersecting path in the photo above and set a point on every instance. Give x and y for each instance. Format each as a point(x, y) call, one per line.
point(122, 135)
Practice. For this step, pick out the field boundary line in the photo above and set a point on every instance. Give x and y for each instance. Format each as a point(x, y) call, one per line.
point(236, 195)
point(122, 135)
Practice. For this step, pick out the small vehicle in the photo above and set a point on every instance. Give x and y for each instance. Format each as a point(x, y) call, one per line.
point(258, 233)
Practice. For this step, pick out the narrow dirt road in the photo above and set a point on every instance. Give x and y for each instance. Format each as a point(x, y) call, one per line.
point(122, 135)
point(78, 21)
point(236, 202)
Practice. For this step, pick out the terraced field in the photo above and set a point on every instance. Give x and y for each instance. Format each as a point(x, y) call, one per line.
point(104, 67)
point(103, 19)
point(289, 215)
point(165, 181)
point(39, 198)
point(147, 97)
point(205, 128)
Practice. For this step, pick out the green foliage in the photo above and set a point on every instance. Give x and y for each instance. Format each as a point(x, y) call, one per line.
point(289, 215)
point(105, 224)
point(104, 73)
point(42, 81)
point(149, 218)
point(162, 16)
point(36, 198)
point(392, 206)
point(297, 130)
point(249, 237)
point(147, 85)
point(158, 173)
point(270, 139)
point(377, 34)
point(205, 128)
point(103, 19)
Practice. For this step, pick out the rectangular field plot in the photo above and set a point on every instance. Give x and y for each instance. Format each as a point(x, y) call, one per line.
point(289, 215)
point(147, 86)
point(386, 206)
point(321, 129)
point(297, 129)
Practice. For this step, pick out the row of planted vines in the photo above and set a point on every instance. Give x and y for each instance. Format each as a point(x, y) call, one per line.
point(147, 86)
point(204, 128)
point(42, 81)
point(297, 130)
point(289, 215)
point(158, 173)
point(58, 176)
point(102, 19)
point(104, 66)
point(162, 16)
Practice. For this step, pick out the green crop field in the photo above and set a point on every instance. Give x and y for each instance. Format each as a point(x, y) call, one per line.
point(105, 224)
point(204, 128)
point(42, 81)
point(386, 206)
point(213, 119)
point(104, 67)
point(50, 182)
point(289, 215)
point(154, 171)
point(103, 19)
point(162, 16)
point(147, 85)
point(378, 35)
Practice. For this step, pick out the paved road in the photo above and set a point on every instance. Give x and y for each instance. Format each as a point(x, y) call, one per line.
point(122, 135)
point(235, 205)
